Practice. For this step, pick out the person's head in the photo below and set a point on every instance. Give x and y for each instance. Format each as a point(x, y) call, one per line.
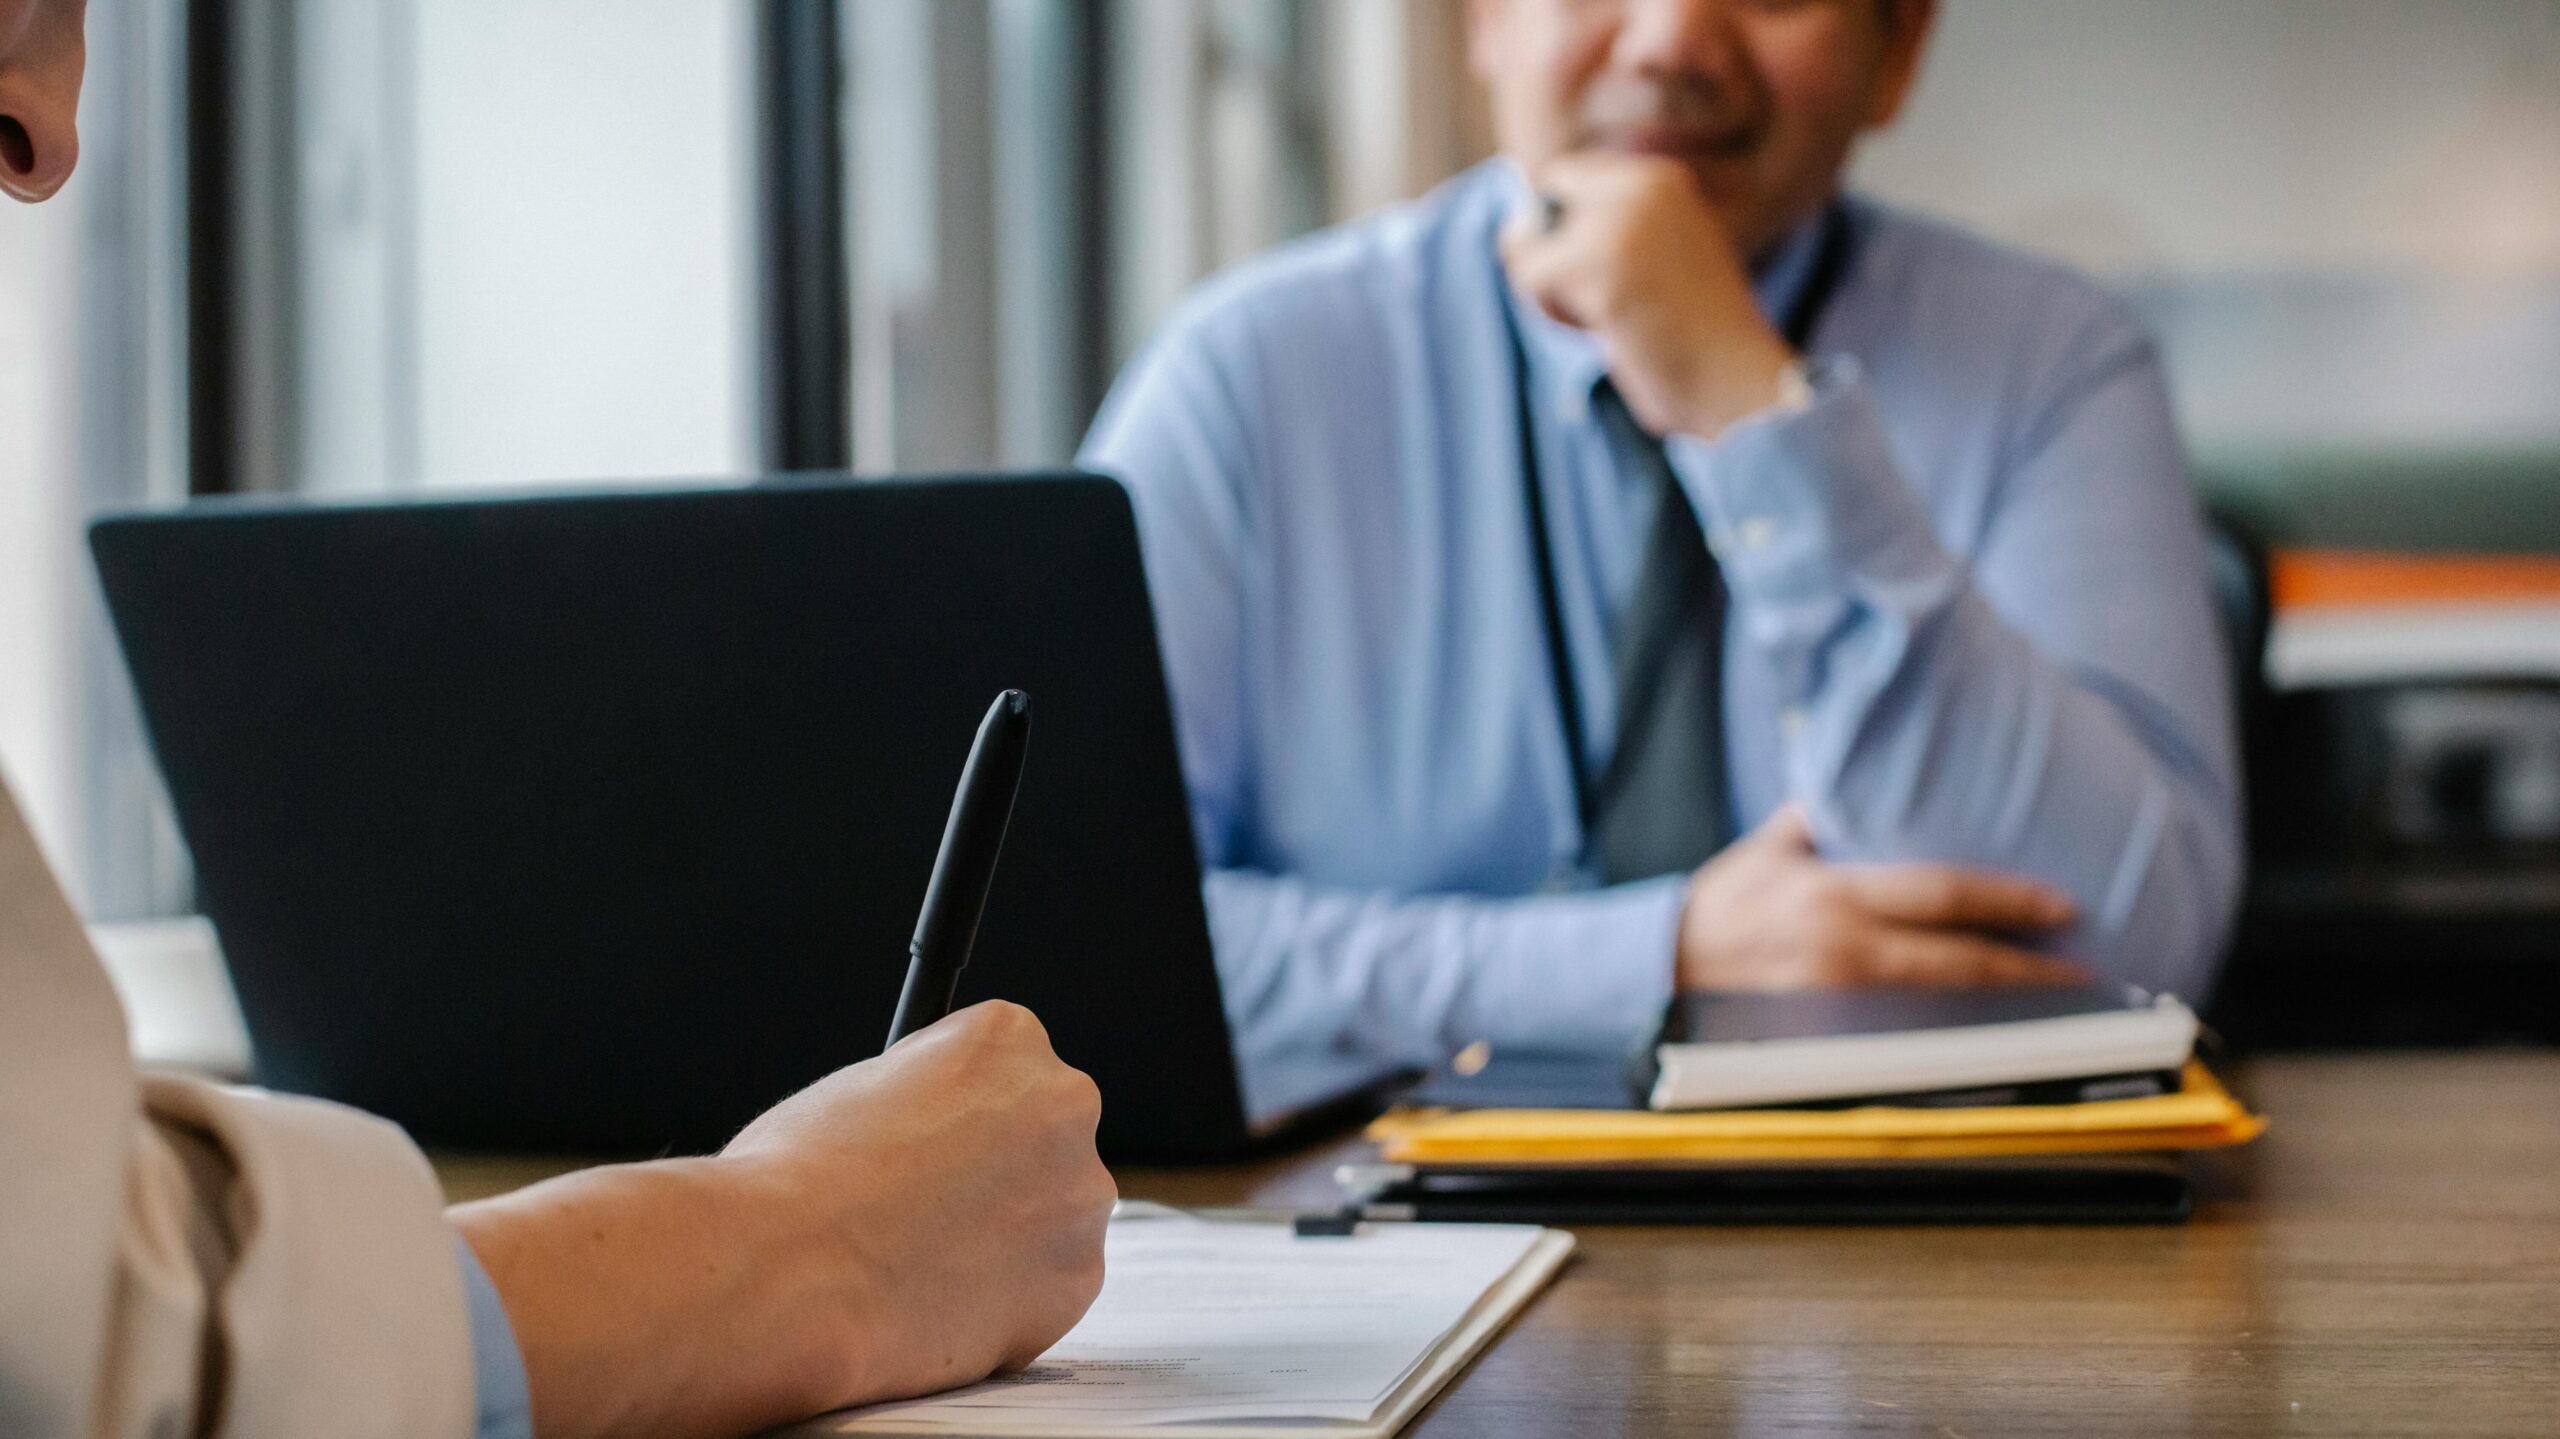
point(1761, 99)
point(42, 55)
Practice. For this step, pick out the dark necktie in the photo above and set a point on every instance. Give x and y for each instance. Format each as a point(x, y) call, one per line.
point(1660, 807)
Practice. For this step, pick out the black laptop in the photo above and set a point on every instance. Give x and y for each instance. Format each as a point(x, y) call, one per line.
point(598, 822)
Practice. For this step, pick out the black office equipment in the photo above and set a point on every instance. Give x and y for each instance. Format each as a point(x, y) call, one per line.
point(2098, 1189)
point(594, 821)
point(965, 867)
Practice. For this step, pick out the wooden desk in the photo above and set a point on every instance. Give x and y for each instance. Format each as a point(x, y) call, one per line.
point(2385, 1261)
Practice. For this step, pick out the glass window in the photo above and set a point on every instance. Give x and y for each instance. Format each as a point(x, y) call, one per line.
point(93, 414)
point(2343, 217)
point(37, 551)
point(527, 239)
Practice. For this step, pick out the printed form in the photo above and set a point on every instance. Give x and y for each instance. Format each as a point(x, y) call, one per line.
point(1208, 1321)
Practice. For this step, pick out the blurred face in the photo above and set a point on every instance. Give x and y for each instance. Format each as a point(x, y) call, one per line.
point(41, 57)
point(1760, 99)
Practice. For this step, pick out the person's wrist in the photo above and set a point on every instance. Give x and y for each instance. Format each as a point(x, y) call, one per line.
point(1755, 372)
point(770, 1266)
point(1688, 954)
point(821, 1292)
point(1701, 969)
point(1705, 966)
point(606, 1275)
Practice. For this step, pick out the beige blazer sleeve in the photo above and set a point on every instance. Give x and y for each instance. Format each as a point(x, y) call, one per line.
point(180, 1258)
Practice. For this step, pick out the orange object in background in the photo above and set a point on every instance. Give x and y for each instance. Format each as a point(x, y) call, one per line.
point(2368, 579)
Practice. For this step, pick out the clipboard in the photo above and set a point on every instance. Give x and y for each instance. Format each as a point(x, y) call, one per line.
point(1217, 1379)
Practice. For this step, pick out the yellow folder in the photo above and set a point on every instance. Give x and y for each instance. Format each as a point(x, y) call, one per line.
point(2201, 1115)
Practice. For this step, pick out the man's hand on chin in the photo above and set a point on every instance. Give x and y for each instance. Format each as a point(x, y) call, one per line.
point(1637, 256)
point(1771, 914)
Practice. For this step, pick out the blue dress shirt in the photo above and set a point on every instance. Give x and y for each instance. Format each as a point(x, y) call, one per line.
point(1969, 621)
point(505, 1405)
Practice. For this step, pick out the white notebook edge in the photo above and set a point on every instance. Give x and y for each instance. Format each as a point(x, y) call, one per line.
point(1812, 1068)
point(1492, 1313)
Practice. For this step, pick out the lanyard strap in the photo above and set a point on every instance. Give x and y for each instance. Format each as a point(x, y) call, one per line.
point(1822, 283)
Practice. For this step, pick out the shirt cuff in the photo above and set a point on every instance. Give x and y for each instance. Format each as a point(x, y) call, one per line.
point(1806, 503)
point(1577, 973)
point(505, 1408)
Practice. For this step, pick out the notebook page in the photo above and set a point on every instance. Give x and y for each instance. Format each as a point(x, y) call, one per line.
point(1203, 1321)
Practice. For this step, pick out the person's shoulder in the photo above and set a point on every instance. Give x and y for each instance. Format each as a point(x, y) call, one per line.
point(1336, 324)
point(1940, 282)
point(1346, 288)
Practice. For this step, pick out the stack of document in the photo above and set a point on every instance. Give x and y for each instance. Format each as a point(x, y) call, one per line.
point(2201, 1115)
point(1217, 1328)
point(1878, 1105)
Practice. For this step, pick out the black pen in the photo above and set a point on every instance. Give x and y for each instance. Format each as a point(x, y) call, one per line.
point(957, 894)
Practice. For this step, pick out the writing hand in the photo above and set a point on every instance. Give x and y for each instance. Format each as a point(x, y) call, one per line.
point(906, 1224)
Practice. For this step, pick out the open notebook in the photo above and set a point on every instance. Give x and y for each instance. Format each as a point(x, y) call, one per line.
point(1208, 1328)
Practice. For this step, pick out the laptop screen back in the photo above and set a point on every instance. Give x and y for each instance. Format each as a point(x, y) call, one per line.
point(598, 822)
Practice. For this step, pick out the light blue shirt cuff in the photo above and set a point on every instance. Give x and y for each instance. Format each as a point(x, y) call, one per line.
point(1807, 507)
point(505, 1397)
point(1409, 981)
point(1577, 972)
point(1819, 537)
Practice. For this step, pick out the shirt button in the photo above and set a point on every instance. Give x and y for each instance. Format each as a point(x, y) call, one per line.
point(1755, 533)
point(1791, 721)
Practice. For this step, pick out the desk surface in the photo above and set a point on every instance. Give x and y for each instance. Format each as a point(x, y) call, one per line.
point(2385, 1261)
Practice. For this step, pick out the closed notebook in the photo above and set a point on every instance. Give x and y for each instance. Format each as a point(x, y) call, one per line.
point(1730, 1051)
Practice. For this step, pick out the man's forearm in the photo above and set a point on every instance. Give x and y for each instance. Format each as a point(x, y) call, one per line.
point(1922, 723)
point(667, 1298)
point(1408, 980)
point(903, 1225)
point(2030, 773)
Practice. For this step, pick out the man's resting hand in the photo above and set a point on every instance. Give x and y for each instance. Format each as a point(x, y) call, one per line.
point(1770, 914)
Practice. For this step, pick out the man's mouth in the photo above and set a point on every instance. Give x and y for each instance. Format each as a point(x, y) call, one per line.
point(1691, 121)
point(1681, 144)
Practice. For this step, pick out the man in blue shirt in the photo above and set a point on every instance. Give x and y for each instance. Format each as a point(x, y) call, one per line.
point(1637, 566)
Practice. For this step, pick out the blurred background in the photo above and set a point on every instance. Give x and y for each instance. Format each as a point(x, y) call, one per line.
point(365, 246)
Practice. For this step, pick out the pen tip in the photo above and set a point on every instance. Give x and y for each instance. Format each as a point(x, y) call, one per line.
point(1015, 702)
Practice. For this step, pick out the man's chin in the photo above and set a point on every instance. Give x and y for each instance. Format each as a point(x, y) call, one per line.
point(1727, 183)
point(1723, 176)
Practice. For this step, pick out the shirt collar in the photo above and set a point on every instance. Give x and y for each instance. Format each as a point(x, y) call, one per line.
point(1567, 364)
